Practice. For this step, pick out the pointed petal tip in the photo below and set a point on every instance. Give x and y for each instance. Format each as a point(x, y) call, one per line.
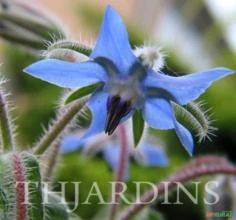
point(25, 70)
point(112, 14)
point(184, 135)
point(226, 69)
point(190, 152)
point(189, 146)
point(110, 9)
point(223, 71)
point(37, 66)
point(29, 69)
point(113, 41)
point(33, 68)
point(187, 88)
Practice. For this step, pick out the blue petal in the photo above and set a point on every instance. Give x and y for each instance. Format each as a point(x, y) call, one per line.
point(183, 134)
point(189, 87)
point(66, 74)
point(152, 155)
point(98, 106)
point(113, 42)
point(158, 114)
point(111, 154)
point(185, 137)
point(72, 143)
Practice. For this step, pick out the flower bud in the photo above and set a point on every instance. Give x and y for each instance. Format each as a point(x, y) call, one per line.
point(66, 55)
point(68, 50)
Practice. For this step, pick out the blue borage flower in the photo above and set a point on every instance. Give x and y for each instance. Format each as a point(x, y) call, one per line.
point(125, 84)
point(147, 154)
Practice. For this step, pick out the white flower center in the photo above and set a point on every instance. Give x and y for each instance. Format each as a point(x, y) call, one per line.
point(128, 90)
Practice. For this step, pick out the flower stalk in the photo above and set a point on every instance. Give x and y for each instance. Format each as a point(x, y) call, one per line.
point(58, 127)
point(120, 172)
point(50, 161)
point(5, 125)
point(199, 167)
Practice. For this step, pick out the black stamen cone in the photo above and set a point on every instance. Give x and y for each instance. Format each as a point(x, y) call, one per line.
point(116, 110)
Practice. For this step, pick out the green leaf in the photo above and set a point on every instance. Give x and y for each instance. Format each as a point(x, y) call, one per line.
point(81, 92)
point(138, 127)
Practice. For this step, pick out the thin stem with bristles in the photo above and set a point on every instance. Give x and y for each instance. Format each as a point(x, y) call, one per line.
point(57, 128)
point(120, 173)
point(196, 168)
point(5, 126)
point(50, 161)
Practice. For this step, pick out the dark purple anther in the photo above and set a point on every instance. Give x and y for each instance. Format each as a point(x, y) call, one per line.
point(116, 110)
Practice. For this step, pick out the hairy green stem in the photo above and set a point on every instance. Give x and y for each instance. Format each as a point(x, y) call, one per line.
point(58, 127)
point(50, 161)
point(5, 126)
point(199, 167)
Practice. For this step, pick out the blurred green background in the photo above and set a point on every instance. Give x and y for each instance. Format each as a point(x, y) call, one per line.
point(193, 35)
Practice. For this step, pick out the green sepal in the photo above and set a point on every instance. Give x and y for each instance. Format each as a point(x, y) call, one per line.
point(81, 92)
point(138, 127)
